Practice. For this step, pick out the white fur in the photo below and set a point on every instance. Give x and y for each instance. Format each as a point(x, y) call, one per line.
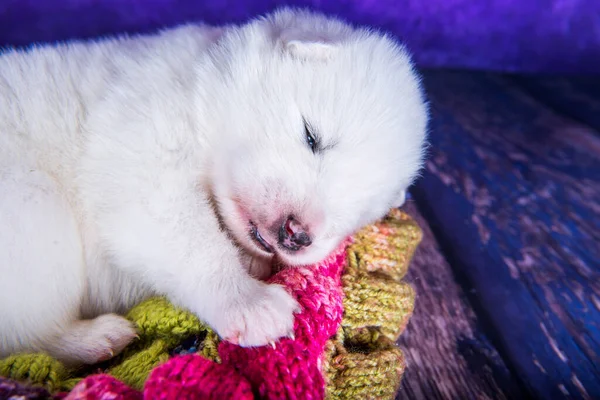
point(132, 166)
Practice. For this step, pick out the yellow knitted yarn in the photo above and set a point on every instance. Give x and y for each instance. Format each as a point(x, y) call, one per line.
point(362, 362)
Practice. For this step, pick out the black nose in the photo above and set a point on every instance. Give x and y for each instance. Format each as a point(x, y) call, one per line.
point(293, 236)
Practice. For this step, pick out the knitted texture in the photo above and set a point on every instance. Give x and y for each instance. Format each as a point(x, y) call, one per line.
point(363, 361)
point(103, 387)
point(334, 357)
point(37, 368)
point(195, 377)
point(292, 370)
point(377, 261)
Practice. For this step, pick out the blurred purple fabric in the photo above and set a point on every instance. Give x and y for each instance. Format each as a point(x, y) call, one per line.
point(502, 35)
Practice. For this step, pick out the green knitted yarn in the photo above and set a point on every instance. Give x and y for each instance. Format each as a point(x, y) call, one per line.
point(366, 366)
point(377, 301)
point(363, 362)
point(156, 318)
point(161, 328)
point(38, 368)
point(137, 365)
point(386, 247)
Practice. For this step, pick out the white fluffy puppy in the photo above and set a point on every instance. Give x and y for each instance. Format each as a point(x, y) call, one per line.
point(164, 164)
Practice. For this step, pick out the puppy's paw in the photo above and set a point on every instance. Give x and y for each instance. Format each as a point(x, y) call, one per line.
point(108, 335)
point(258, 318)
point(93, 341)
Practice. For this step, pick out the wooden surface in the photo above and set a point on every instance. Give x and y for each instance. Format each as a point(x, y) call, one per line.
point(512, 193)
point(448, 355)
point(577, 97)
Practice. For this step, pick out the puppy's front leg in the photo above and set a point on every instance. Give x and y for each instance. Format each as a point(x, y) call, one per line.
point(240, 308)
point(175, 244)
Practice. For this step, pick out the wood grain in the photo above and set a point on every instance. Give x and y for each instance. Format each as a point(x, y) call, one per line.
point(511, 191)
point(448, 355)
point(575, 97)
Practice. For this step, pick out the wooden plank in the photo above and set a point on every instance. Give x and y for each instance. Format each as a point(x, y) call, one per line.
point(576, 97)
point(511, 191)
point(448, 356)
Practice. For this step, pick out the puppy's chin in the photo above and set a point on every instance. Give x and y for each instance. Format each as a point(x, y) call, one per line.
point(312, 255)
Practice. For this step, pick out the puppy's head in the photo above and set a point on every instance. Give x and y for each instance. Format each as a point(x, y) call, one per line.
point(321, 130)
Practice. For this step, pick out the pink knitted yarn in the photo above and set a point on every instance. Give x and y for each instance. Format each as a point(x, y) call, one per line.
point(193, 377)
point(102, 387)
point(293, 369)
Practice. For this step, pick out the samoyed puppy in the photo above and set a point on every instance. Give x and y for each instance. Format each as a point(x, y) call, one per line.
point(183, 164)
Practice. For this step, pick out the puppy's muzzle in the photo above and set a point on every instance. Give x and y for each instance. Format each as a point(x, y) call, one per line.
point(292, 235)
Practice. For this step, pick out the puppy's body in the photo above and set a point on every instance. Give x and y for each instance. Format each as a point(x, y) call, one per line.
point(164, 164)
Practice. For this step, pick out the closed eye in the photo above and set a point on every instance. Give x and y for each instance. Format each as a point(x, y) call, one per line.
point(310, 138)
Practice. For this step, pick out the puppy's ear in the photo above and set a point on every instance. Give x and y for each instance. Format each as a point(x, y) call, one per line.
point(308, 45)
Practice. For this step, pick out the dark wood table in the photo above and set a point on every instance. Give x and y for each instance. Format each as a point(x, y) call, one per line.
point(508, 275)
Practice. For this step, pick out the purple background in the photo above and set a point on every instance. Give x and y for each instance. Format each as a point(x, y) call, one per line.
point(502, 35)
